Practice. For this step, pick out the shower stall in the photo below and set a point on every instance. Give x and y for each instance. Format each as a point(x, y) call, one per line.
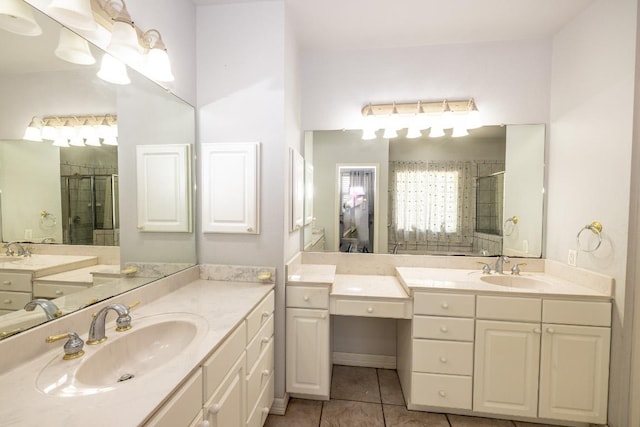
point(90, 209)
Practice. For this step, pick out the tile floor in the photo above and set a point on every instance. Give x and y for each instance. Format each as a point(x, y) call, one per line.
point(369, 397)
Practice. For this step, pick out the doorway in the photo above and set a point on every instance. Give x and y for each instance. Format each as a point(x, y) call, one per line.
point(357, 208)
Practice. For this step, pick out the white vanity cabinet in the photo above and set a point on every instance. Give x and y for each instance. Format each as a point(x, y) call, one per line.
point(15, 291)
point(442, 350)
point(308, 341)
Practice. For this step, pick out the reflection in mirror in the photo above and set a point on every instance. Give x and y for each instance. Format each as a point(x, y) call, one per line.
point(356, 208)
point(446, 196)
point(81, 198)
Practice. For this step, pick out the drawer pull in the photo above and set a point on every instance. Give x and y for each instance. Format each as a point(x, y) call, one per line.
point(443, 360)
point(444, 305)
point(205, 423)
point(59, 292)
point(442, 393)
point(369, 309)
point(266, 314)
point(265, 410)
point(265, 339)
point(7, 301)
point(7, 283)
point(444, 329)
point(306, 297)
point(551, 330)
point(266, 373)
point(323, 316)
point(536, 330)
point(215, 408)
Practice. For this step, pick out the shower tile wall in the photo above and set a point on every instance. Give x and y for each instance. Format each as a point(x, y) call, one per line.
point(490, 193)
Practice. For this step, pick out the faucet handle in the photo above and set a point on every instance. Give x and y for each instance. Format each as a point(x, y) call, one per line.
point(515, 270)
point(134, 304)
point(486, 268)
point(72, 348)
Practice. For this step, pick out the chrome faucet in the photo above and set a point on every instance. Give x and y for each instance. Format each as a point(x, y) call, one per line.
point(50, 309)
point(500, 261)
point(21, 249)
point(96, 331)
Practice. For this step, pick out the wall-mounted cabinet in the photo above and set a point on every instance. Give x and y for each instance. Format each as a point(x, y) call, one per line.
point(164, 182)
point(230, 187)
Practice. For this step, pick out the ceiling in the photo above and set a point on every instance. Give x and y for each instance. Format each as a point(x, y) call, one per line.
point(371, 24)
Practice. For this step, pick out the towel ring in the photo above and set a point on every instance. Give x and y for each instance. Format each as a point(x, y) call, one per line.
point(513, 220)
point(596, 228)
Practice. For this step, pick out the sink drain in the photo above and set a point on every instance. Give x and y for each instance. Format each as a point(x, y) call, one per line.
point(125, 377)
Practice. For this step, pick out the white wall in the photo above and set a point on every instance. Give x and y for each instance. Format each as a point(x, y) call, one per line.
point(509, 81)
point(589, 157)
point(241, 97)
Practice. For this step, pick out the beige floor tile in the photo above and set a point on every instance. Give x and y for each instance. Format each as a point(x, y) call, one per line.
point(400, 416)
point(355, 383)
point(344, 413)
point(523, 424)
point(390, 391)
point(462, 421)
point(300, 413)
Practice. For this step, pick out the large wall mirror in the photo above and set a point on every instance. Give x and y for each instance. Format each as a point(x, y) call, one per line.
point(479, 195)
point(55, 198)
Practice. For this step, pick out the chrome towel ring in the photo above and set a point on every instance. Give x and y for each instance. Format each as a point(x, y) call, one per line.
point(596, 228)
point(509, 230)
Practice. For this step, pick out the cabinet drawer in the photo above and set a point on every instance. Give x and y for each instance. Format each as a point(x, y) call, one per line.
point(259, 343)
point(48, 290)
point(259, 316)
point(14, 300)
point(509, 308)
point(437, 304)
point(307, 297)
point(183, 406)
point(15, 282)
point(443, 328)
point(577, 312)
point(447, 391)
point(262, 408)
point(218, 365)
point(443, 357)
point(387, 309)
point(258, 378)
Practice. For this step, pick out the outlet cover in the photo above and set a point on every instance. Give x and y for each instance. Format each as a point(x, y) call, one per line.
point(572, 258)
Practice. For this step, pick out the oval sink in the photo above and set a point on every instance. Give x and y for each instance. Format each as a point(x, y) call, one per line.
point(515, 281)
point(152, 343)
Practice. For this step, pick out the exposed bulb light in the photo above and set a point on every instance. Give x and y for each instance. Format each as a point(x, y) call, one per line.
point(124, 38)
point(17, 17)
point(93, 141)
point(76, 14)
point(391, 130)
point(33, 131)
point(436, 132)
point(49, 132)
point(104, 129)
point(413, 132)
point(446, 120)
point(417, 123)
point(113, 71)
point(61, 141)
point(110, 140)
point(473, 116)
point(73, 48)
point(370, 125)
point(157, 65)
point(67, 130)
point(76, 141)
point(368, 134)
point(459, 131)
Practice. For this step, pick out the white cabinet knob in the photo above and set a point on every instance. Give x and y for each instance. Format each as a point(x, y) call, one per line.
point(265, 340)
point(444, 329)
point(442, 393)
point(249, 229)
point(444, 305)
point(205, 423)
point(443, 359)
point(265, 410)
point(370, 310)
point(266, 314)
point(323, 316)
point(306, 297)
point(7, 282)
point(7, 301)
point(551, 330)
point(266, 373)
point(215, 408)
point(59, 292)
point(536, 330)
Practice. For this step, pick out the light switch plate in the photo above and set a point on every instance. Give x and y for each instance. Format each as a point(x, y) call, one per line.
point(572, 258)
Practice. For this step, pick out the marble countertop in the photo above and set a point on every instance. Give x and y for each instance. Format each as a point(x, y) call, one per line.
point(357, 285)
point(309, 274)
point(78, 276)
point(42, 265)
point(222, 304)
point(462, 280)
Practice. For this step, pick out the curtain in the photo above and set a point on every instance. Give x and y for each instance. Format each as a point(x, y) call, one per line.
point(432, 201)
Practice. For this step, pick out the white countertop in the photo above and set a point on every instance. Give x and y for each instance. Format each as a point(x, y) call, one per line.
point(356, 285)
point(42, 265)
point(320, 274)
point(223, 304)
point(79, 276)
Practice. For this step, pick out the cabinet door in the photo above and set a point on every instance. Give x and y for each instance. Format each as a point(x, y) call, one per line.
point(506, 368)
point(227, 405)
point(164, 193)
point(308, 361)
point(574, 373)
point(230, 196)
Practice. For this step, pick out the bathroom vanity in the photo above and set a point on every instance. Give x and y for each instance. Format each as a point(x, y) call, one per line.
point(532, 347)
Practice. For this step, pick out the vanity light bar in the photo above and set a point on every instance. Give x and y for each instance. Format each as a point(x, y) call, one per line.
point(433, 107)
point(74, 130)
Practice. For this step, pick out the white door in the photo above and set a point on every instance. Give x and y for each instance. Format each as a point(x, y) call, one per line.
point(506, 368)
point(308, 361)
point(574, 373)
point(227, 405)
point(230, 187)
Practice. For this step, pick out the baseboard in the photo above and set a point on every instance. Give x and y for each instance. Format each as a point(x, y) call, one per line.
point(279, 405)
point(364, 360)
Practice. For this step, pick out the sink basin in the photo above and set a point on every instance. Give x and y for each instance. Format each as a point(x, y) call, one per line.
point(154, 342)
point(515, 281)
